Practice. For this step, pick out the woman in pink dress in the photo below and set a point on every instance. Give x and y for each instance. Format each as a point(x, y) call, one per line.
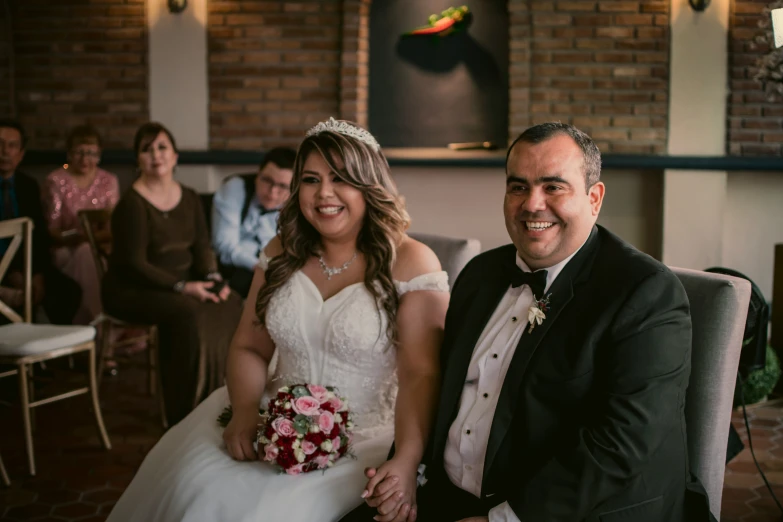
point(79, 185)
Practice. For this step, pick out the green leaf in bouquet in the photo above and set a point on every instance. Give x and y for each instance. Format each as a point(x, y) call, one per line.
point(301, 424)
point(300, 391)
point(225, 416)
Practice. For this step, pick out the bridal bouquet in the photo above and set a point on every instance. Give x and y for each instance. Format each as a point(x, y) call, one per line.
point(305, 428)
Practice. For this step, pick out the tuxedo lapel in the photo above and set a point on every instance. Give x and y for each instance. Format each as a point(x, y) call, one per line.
point(560, 294)
point(474, 321)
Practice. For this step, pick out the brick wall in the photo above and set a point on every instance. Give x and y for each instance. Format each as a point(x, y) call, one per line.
point(602, 66)
point(274, 70)
point(5, 69)
point(519, 80)
point(755, 124)
point(276, 67)
point(355, 66)
point(81, 62)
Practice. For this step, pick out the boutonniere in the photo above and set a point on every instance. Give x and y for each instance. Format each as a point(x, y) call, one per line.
point(537, 311)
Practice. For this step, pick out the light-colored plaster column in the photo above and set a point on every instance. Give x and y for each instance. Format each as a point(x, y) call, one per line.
point(694, 201)
point(178, 89)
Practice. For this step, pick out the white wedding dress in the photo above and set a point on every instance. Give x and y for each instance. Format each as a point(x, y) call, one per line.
point(189, 476)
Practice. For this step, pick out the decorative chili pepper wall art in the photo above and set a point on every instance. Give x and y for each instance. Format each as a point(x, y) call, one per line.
point(449, 21)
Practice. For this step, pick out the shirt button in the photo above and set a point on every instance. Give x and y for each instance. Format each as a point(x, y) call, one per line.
point(467, 432)
point(513, 319)
point(494, 356)
point(468, 467)
point(486, 395)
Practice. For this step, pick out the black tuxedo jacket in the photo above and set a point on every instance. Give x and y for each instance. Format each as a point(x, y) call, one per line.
point(589, 424)
point(28, 198)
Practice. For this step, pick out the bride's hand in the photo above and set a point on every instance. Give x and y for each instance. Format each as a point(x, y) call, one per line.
point(392, 490)
point(240, 434)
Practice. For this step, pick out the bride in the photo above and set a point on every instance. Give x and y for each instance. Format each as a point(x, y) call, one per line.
point(343, 297)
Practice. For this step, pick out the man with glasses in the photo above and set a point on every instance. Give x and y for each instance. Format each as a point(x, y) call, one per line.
point(244, 215)
point(20, 196)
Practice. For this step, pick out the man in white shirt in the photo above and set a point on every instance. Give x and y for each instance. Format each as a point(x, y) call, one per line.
point(565, 363)
point(244, 215)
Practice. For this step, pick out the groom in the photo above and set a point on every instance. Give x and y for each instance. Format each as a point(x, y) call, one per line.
point(565, 364)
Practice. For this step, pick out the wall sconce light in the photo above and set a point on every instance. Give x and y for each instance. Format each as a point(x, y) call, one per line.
point(699, 5)
point(177, 6)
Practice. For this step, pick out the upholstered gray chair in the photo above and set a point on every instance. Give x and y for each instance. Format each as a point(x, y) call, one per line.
point(719, 308)
point(453, 253)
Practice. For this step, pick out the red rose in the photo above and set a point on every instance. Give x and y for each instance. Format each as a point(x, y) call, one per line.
point(315, 438)
point(285, 458)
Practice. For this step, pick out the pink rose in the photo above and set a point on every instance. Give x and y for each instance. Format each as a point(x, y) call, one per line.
point(284, 427)
point(306, 406)
point(319, 393)
point(336, 403)
point(321, 461)
point(308, 447)
point(335, 443)
point(295, 470)
point(326, 422)
point(270, 452)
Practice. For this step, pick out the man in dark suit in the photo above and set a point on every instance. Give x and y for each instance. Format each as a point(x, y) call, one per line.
point(565, 364)
point(20, 196)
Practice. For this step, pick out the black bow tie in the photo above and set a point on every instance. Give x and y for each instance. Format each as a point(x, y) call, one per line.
point(535, 280)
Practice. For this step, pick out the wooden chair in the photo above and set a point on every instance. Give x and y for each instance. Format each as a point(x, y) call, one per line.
point(23, 344)
point(91, 221)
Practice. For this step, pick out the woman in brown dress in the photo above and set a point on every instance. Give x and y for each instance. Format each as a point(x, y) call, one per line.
point(162, 271)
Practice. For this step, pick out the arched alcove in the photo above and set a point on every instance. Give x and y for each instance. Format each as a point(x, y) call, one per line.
point(428, 91)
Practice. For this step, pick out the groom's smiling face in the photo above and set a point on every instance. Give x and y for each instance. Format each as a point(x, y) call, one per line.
point(548, 209)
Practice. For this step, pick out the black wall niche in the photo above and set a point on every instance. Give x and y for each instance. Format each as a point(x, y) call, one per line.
point(428, 91)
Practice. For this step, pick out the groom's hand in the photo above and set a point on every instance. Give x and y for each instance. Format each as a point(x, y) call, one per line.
point(385, 493)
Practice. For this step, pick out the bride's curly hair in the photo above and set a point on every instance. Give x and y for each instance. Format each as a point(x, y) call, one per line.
point(385, 222)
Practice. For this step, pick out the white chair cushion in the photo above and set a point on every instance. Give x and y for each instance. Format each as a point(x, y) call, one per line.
point(29, 339)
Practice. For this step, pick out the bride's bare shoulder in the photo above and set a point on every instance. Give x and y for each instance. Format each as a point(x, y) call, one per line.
point(414, 258)
point(274, 248)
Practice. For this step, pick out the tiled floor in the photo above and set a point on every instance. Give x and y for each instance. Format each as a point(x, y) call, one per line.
point(78, 480)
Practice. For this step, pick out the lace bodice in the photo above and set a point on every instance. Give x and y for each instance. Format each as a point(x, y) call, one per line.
point(339, 342)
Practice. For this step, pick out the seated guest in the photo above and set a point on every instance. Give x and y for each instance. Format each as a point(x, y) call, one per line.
point(245, 212)
point(162, 271)
point(82, 185)
point(20, 196)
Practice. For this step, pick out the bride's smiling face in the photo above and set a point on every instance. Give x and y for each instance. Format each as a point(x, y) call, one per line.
point(333, 207)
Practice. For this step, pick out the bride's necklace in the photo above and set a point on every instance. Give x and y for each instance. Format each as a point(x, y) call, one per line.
point(329, 271)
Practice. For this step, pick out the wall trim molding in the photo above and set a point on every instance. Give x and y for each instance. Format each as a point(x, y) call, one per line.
point(610, 161)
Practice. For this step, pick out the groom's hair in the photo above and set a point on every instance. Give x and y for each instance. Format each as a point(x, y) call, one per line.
point(590, 152)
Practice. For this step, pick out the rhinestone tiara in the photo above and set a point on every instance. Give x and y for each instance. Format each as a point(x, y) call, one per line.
point(346, 129)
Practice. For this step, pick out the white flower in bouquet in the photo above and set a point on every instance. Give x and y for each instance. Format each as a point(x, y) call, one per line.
point(299, 455)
